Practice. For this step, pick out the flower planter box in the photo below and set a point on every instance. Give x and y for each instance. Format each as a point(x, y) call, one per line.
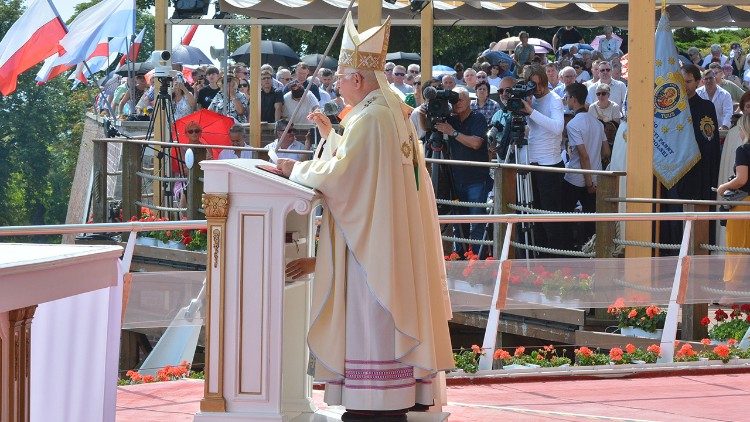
point(639, 332)
point(145, 241)
point(175, 244)
point(528, 297)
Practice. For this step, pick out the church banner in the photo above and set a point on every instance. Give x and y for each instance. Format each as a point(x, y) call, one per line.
point(675, 148)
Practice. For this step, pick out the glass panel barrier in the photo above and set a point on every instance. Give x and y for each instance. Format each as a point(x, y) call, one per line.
point(562, 282)
point(723, 279)
point(156, 298)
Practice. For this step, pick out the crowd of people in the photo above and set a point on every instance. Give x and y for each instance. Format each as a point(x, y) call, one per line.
point(575, 83)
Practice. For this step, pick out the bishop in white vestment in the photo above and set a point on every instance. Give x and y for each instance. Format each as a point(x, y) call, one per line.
point(380, 305)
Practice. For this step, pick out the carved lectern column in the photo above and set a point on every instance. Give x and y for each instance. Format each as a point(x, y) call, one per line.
point(16, 372)
point(216, 208)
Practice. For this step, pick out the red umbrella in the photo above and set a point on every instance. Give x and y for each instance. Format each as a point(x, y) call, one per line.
point(215, 128)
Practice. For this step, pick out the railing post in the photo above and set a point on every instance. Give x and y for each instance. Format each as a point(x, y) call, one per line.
point(505, 193)
point(131, 183)
point(100, 206)
point(497, 208)
point(195, 186)
point(692, 314)
point(606, 187)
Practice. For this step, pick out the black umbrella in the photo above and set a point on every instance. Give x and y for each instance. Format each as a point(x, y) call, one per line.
point(139, 68)
point(400, 57)
point(312, 60)
point(275, 53)
point(187, 54)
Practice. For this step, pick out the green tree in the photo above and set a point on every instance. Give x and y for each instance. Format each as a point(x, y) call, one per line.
point(40, 135)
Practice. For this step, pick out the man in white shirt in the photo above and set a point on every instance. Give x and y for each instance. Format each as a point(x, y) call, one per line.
point(715, 55)
point(553, 75)
point(609, 45)
point(545, 146)
point(617, 89)
point(567, 77)
point(719, 96)
point(289, 142)
point(237, 136)
point(399, 75)
point(293, 98)
point(586, 139)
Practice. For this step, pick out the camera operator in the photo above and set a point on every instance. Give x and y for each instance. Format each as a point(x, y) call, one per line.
point(466, 141)
point(545, 120)
point(502, 119)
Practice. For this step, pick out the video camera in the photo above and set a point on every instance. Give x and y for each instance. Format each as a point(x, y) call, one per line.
point(438, 110)
point(520, 91)
point(515, 132)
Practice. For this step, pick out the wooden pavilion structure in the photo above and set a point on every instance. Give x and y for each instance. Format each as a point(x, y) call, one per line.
point(639, 16)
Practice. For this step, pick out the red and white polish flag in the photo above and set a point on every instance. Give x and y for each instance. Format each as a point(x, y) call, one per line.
point(31, 39)
point(134, 49)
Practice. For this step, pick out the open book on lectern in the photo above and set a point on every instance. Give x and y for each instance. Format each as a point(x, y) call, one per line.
point(265, 169)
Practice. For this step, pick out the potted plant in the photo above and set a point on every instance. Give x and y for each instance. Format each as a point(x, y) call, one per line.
point(638, 321)
point(467, 360)
point(146, 238)
point(728, 326)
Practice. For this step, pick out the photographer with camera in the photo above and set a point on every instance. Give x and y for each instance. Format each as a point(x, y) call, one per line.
point(465, 130)
point(546, 124)
point(498, 136)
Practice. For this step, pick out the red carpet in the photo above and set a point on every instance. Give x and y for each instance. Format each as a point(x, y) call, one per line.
point(721, 397)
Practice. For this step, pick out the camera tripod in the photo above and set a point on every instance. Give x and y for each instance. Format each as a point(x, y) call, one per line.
point(163, 107)
point(524, 191)
point(436, 148)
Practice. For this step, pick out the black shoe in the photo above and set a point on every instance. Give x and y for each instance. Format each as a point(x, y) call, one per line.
point(373, 416)
point(419, 408)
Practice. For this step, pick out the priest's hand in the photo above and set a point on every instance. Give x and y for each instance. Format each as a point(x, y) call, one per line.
point(321, 121)
point(285, 165)
point(300, 268)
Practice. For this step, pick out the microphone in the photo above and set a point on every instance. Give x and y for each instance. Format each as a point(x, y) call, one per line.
point(331, 109)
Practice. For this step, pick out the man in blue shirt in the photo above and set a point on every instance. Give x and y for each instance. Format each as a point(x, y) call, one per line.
point(466, 130)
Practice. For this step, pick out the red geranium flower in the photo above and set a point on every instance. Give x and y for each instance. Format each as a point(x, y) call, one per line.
point(630, 348)
point(615, 354)
point(720, 315)
point(584, 351)
point(705, 321)
point(722, 350)
point(655, 349)
point(501, 354)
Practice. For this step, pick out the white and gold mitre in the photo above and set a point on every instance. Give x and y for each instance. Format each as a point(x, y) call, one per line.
point(367, 50)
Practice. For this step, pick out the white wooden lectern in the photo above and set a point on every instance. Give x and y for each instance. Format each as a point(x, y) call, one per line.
point(256, 324)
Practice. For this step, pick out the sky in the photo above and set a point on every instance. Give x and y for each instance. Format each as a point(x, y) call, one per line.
point(204, 38)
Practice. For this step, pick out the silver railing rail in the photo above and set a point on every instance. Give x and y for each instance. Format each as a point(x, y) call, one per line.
point(135, 226)
point(201, 146)
point(523, 167)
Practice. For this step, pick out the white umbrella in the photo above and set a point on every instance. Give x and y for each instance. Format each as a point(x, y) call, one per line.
point(510, 43)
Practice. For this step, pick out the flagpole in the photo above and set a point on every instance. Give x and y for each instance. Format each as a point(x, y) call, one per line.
point(101, 91)
point(130, 65)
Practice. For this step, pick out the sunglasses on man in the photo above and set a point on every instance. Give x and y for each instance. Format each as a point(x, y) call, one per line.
point(193, 131)
point(244, 85)
point(400, 74)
